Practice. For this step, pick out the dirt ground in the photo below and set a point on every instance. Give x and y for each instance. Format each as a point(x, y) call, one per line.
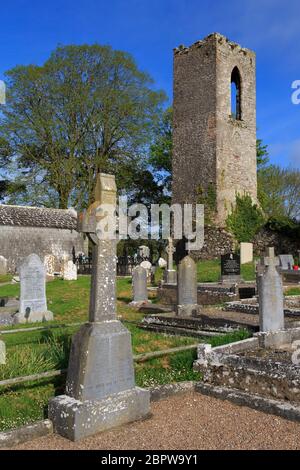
point(190, 421)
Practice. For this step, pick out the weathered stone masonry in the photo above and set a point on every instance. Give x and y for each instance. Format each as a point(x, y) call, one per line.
point(26, 230)
point(209, 146)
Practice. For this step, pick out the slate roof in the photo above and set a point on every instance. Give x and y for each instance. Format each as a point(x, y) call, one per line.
point(24, 216)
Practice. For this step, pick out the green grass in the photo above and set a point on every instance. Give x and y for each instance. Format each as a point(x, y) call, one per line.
point(26, 403)
point(293, 291)
point(210, 271)
point(5, 278)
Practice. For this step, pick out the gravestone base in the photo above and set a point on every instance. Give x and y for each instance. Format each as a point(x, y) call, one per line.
point(33, 317)
point(139, 303)
point(2, 352)
point(76, 419)
point(231, 279)
point(100, 388)
point(171, 276)
point(191, 310)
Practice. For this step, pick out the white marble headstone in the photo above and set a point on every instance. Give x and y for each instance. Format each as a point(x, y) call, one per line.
point(33, 304)
point(3, 265)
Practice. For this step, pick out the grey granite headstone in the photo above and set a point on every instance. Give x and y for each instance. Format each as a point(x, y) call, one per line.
point(171, 274)
point(286, 261)
point(139, 286)
point(2, 352)
point(3, 265)
point(270, 293)
point(187, 287)
point(100, 390)
point(33, 304)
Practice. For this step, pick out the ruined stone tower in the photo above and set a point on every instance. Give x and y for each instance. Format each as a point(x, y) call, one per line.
point(214, 137)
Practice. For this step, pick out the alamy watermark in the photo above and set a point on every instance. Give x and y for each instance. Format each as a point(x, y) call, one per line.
point(296, 93)
point(157, 222)
point(2, 92)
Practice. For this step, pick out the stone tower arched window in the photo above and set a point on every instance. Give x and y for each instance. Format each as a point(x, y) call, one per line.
point(236, 111)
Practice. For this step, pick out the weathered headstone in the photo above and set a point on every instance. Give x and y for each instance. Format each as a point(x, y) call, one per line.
point(270, 293)
point(187, 288)
point(100, 389)
point(286, 262)
point(162, 263)
point(230, 268)
point(2, 352)
point(246, 252)
point(3, 265)
point(33, 303)
point(139, 286)
point(69, 270)
point(171, 274)
point(148, 267)
point(51, 264)
point(144, 251)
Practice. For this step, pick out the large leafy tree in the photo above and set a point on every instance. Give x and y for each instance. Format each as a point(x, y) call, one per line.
point(87, 109)
point(279, 192)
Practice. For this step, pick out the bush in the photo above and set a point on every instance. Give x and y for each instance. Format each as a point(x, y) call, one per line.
point(245, 220)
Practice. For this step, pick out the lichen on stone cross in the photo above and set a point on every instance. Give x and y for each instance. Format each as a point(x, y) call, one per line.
point(103, 286)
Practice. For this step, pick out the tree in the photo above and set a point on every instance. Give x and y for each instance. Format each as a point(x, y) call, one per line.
point(87, 109)
point(279, 192)
point(262, 154)
point(245, 220)
point(161, 151)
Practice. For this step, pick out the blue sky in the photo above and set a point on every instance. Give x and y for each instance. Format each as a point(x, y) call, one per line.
point(150, 29)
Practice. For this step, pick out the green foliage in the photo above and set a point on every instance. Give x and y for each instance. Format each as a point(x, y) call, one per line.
point(161, 152)
point(279, 192)
point(87, 109)
point(245, 219)
point(262, 154)
point(208, 197)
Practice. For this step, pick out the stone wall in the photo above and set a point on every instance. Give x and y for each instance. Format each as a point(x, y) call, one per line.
point(217, 242)
point(282, 243)
point(206, 295)
point(18, 242)
point(209, 146)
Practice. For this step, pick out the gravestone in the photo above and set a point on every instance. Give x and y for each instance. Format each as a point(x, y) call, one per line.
point(270, 293)
point(180, 250)
point(162, 263)
point(144, 251)
point(246, 252)
point(187, 288)
point(3, 265)
point(100, 389)
point(286, 262)
point(2, 352)
point(33, 303)
point(148, 267)
point(51, 264)
point(171, 274)
point(69, 271)
point(139, 286)
point(230, 268)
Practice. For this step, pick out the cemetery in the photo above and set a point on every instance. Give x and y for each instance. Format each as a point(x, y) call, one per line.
point(108, 340)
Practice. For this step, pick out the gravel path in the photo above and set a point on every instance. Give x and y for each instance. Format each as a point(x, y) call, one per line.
point(190, 421)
